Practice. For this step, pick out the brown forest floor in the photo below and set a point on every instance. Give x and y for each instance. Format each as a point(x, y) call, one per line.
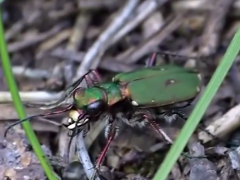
point(48, 40)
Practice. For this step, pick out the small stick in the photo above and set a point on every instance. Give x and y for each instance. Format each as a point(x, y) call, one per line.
point(84, 157)
point(79, 30)
point(144, 10)
point(71, 151)
point(30, 73)
point(202, 5)
point(14, 30)
point(135, 53)
point(155, 21)
point(106, 63)
point(33, 19)
point(95, 5)
point(32, 96)
point(55, 40)
point(63, 145)
point(222, 126)
point(99, 47)
point(75, 41)
point(214, 26)
point(23, 44)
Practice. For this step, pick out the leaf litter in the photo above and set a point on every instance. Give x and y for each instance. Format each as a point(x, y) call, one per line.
point(48, 40)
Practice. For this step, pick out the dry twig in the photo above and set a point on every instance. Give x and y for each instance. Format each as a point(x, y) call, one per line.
point(17, 46)
point(84, 157)
point(106, 63)
point(135, 53)
point(33, 96)
point(99, 47)
point(222, 126)
point(30, 73)
point(214, 25)
point(144, 10)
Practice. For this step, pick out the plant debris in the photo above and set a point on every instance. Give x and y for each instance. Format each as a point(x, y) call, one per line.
point(53, 43)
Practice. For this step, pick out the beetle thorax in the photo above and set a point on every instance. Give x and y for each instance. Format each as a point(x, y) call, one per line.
point(83, 97)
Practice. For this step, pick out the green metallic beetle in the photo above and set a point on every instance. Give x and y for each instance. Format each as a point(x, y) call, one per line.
point(134, 97)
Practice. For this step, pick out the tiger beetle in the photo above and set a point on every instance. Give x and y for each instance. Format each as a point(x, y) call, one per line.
point(133, 97)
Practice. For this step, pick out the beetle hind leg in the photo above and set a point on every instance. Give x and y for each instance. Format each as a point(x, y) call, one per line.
point(142, 118)
point(152, 61)
point(95, 79)
point(158, 129)
point(167, 55)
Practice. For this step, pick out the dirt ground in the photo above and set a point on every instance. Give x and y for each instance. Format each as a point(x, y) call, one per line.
point(54, 42)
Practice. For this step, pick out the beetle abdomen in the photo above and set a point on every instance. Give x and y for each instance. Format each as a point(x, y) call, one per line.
point(161, 91)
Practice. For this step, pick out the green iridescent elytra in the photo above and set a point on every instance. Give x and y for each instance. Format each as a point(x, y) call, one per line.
point(145, 87)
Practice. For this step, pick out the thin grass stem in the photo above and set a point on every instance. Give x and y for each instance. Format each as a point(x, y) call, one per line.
point(8, 74)
point(200, 108)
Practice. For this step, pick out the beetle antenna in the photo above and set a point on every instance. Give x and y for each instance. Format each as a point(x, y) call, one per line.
point(39, 115)
point(66, 94)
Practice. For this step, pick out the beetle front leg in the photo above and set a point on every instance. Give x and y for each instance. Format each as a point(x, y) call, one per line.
point(111, 131)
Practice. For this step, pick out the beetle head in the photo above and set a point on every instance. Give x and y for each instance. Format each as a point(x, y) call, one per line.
point(83, 97)
point(89, 102)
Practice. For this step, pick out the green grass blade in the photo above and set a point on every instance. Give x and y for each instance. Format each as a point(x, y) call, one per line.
point(7, 69)
point(200, 108)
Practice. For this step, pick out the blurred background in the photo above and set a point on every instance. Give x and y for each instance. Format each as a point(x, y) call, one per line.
point(52, 43)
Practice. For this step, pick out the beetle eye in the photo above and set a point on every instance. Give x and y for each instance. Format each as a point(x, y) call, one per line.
point(95, 108)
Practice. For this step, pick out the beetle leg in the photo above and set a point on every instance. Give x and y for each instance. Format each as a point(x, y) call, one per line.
point(167, 54)
point(141, 118)
point(159, 130)
point(168, 116)
point(89, 81)
point(111, 132)
point(152, 61)
point(180, 107)
point(180, 114)
point(77, 82)
point(135, 120)
point(96, 79)
point(156, 127)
